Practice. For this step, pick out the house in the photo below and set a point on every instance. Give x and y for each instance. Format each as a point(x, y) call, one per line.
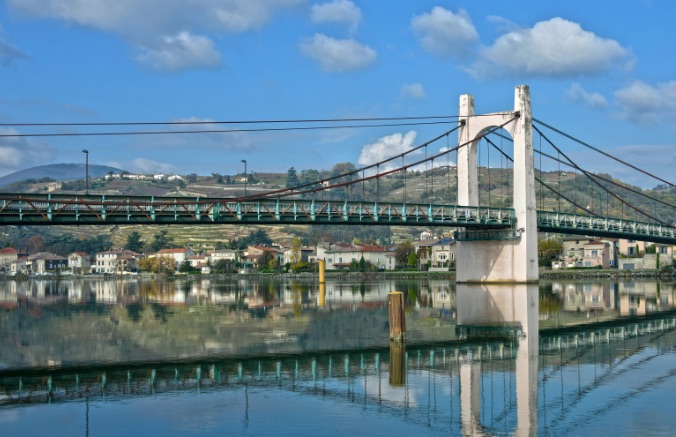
point(79, 262)
point(222, 254)
point(634, 248)
point(340, 256)
point(631, 248)
point(443, 253)
point(116, 261)
point(423, 249)
point(7, 256)
point(253, 254)
point(305, 254)
point(595, 254)
point(179, 255)
point(586, 252)
point(43, 262)
point(19, 266)
point(197, 261)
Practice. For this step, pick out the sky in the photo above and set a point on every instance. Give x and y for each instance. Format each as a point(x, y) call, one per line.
point(601, 71)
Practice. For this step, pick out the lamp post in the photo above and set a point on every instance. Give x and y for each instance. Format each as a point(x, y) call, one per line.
point(86, 152)
point(246, 178)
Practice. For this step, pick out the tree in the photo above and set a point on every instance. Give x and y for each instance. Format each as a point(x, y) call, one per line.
point(412, 259)
point(134, 242)
point(161, 241)
point(158, 264)
point(402, 251)
point(291, 178)
point(192, 178)
point(296, 256)
point(96, 244)
point(255, 238)
point(222, 266)
point(267, 260)
point(185, 267)
point(549, 250)
point(35, 244)
point(217, 177)
point(362, 264)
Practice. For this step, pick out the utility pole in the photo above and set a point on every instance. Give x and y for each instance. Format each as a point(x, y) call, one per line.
point(246, 177)
point(86, 152)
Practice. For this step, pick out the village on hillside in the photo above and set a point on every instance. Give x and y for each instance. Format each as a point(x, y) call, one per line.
point(430, 252)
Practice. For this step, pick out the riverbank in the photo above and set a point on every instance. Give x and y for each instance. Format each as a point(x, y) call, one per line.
point(450, 275)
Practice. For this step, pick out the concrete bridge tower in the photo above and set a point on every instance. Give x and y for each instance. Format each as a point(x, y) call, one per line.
point(509, 256)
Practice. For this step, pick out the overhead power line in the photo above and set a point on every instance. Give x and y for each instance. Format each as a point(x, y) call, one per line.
point(217, 131)
point(273, 121)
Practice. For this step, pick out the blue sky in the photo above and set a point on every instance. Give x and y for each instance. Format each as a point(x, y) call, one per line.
point(602, 71)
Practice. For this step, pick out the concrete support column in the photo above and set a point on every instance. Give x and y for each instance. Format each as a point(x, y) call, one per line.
point(468, 182)
point(512, 260)
point(526, 253)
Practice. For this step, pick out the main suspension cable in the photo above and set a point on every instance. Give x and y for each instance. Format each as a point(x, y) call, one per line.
point(602, 152)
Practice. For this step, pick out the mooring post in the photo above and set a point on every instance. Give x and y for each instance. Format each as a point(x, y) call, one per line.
point(322, 271)
point(397, 364)
point(322, 295)
point(395, 304)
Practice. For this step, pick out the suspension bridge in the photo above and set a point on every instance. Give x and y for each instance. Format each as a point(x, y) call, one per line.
point(353, 198)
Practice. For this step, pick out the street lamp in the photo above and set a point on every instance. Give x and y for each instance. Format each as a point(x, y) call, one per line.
point(246, 178)
point(86, 152)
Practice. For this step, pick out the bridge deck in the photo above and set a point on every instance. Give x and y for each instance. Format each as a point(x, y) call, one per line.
point(47, 209)
point(65, 209)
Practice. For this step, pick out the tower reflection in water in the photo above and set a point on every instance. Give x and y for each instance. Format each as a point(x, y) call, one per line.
point(489, 310)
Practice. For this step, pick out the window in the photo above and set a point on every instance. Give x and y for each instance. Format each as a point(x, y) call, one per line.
point(594, 253)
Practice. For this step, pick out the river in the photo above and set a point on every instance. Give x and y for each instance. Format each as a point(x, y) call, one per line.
point(251, 356)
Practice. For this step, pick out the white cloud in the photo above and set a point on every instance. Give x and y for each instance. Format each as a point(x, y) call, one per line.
point(181, 52)
point(414, 90)
point(556, 47)
point(338, 55)
point(577, 94)
point(17, 153)
point(337, 11)
point(646, 103)
point(387, 147)
point(9, 157)
point(144, 23)
point(444, 33)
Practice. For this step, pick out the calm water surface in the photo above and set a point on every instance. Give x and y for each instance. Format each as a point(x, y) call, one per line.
point(288, 357)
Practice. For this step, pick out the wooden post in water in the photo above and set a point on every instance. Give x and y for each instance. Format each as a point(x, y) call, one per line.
point(397, 364)
point(395, 304)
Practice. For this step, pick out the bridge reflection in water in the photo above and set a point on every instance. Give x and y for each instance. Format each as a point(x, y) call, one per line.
point(502, 378)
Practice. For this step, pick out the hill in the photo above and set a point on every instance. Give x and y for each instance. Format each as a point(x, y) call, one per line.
point(434, 186)
point(57, 172)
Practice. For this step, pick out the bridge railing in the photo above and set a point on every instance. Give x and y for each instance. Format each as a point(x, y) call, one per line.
point(64, 209)
point(605, 226)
